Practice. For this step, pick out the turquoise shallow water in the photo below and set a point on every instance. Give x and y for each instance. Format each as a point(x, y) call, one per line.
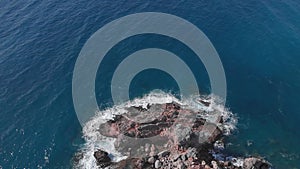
point(258, 43)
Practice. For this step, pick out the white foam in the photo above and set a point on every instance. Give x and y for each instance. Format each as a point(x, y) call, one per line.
point(238, 162)
point(213, 111)
point(94, 140)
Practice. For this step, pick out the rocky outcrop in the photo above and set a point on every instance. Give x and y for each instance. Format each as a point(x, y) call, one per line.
point(180, 138)
point(255, 163)
point(102, 158)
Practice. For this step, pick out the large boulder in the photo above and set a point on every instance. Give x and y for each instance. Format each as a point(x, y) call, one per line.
point(102, 158)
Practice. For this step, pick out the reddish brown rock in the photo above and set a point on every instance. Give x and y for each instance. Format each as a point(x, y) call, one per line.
point(187, 139)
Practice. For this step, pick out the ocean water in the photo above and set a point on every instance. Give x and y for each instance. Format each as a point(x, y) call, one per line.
point(257, 41)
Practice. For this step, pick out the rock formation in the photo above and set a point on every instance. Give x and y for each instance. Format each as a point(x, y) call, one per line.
point(169, 136)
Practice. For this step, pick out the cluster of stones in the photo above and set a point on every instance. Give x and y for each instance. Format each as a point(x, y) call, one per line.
point(183, 149)
point(188, 160)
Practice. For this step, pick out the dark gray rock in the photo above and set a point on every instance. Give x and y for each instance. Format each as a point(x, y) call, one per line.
point(102, 158)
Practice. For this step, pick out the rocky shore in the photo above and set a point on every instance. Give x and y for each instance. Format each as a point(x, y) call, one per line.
point(170, 136)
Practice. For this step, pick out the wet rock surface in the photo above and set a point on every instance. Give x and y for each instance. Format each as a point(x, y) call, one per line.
point(102, 158)
point(180, 138)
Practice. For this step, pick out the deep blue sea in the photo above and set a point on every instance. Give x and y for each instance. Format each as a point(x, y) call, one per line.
point(258, 43)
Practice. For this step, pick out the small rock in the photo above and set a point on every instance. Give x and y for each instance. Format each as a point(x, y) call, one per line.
point(163, 154)
point(191, 152)
point(226, 164)
point(181, 166)
point(139, 164)
point(152, 150)
point(214, 164)
point(183, 157)
point(147, 147)
point(151, 160)
point(219, 145)
point(207, 167)
point(157, 164)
